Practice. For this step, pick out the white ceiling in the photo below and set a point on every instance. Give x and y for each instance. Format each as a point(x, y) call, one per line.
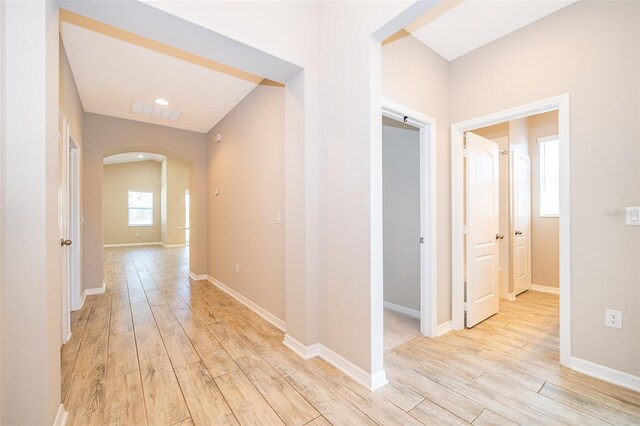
point(458, 28)
point(111, 74)
point(131, 157)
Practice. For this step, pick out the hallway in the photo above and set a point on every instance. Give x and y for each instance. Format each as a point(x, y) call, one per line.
point(158, 349)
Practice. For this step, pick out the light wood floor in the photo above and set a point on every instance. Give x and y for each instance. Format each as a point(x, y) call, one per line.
point(156, 349)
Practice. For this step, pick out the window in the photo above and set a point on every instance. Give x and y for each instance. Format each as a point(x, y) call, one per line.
point(140, 208)
point(549, 176)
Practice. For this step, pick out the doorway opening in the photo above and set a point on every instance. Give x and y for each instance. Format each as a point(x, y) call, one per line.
point(186, 217)
point(511, 223)
point(408, 225)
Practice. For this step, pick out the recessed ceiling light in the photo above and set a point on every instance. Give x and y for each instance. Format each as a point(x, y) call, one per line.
point(161, 101)
point(140, 156)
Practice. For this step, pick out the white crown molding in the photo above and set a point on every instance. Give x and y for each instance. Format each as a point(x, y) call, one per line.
point(277, 322)
point(545, 289)
point(157, 243)
point(443, 329)
point(607, 374)
point(61, 417)
point(413, 313)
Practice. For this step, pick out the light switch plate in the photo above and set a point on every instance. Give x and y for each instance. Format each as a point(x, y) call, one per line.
point(632, 217)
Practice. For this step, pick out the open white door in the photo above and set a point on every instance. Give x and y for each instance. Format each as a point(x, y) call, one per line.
point(521, 220)
point(482, 187)
point(63, 221)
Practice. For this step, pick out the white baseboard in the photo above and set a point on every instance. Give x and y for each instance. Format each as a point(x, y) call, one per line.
point(511, 297)
point(443, 329)
point(157, 243)
point(304, 352)
point(197, 277)
point(61, 417)
point(545, 289)
point(370, 381)
point(607, 374)
point(83, 297)
point(171, 245)
point(281, 325)
point(91, 291)
point(402, 310)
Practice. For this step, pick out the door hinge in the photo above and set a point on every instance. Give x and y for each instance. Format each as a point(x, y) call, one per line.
point(465, 152)
point(466, 306)
point(421, 240)
point(465, 230)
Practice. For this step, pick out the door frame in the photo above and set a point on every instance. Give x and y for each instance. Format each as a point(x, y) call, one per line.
point(428, 262)
point(75, 229)
point(560, 103)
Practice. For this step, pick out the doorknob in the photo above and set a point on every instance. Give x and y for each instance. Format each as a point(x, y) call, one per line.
point(499, 236)
point(64, 242)
point(518, 232)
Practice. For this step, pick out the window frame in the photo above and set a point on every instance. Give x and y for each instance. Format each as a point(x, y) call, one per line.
point(139, 208)
point(541, 141)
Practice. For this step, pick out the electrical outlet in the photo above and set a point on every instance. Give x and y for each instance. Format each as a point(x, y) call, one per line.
point(238, 267)
point(613, 318)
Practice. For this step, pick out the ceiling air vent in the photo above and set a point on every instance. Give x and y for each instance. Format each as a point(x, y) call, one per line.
point(155, 111)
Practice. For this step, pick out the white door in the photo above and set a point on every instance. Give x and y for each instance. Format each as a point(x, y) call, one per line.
point(482, 198)
point(63, 221)
point(521, 220)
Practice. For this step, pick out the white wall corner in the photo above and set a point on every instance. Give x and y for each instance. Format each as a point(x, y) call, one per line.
point(305, 352)
point(545, 289)
point(61, 417)
point(277, 322)
point(607, 374)
point(413, 313)
point(443, 329)
point(83, 297)
point(370, 381)
point(197, 277)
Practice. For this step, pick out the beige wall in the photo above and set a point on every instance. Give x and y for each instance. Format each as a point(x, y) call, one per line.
point(117, 181)
point(248, 169)
point(545, 237)
point(549, 58)
point(401, 214)
point(174, 183)
point(106, 136)
point(416, 76)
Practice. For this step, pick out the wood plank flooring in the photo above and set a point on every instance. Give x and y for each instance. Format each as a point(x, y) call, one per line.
point(158, 349)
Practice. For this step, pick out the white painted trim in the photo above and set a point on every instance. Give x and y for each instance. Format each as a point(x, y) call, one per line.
point(607, 374)
point(443, 329)
point(277, 322)
point(197, 277)
point(511, 297)
point(428, 250)
point(304, 352)
point(171, 245)
point(61, 417)
point(370, 381)
point(66, 339)
point(545, 289)
point(95, 290)
point(157, 243)
point(413, 313)
point(562, 104)
point(83, 297)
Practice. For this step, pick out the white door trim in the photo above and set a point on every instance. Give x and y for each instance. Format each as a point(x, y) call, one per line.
point(561, 104)
point(428, 263)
